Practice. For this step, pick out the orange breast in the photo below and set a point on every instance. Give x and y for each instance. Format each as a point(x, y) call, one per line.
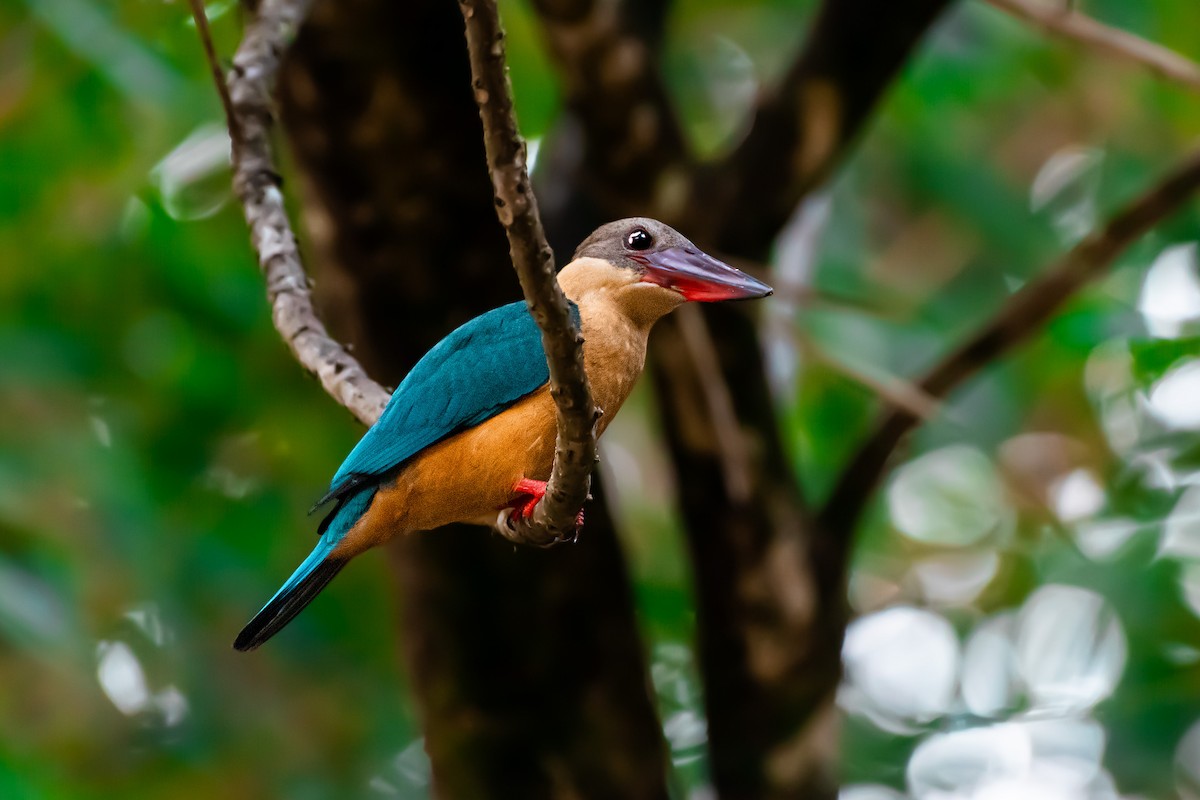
point(470, 476)
point(466, 478)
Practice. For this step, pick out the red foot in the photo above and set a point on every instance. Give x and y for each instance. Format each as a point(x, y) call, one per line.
point(530, 493)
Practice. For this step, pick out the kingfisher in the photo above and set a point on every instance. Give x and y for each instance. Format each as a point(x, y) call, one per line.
point(469, 434)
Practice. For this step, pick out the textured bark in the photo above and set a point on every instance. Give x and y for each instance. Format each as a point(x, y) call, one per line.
point(554, 518)
point(528, 671)
point(249, 108)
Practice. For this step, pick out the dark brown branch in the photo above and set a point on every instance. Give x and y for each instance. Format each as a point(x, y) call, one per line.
point(575, 447)
point(765, 618)
point(1019, 319)
point(1070, 24)
point(257, 183)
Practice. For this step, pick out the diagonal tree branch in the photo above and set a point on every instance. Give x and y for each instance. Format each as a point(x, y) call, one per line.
point(1019, 319)
point(1071, 24)
point(248, 107)
point(575, 447)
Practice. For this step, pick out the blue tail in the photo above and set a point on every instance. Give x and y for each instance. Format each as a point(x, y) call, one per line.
point(309, 578)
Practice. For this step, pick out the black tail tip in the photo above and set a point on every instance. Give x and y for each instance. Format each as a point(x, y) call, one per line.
point(246, 641)
point(283, 608)
point(256, 633)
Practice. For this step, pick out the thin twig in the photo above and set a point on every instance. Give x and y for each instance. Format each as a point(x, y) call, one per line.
point(1071, 24)
point(891, 389)
point(553, 519)
point(257, 183)
point(218, 75)
point(1017, 320)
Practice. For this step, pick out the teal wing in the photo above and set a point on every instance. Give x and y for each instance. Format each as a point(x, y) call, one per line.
point(472, 375)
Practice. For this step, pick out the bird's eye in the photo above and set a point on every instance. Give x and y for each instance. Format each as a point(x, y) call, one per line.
point(638, 239)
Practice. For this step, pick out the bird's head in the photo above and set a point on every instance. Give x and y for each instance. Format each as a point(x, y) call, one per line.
point(651, 264)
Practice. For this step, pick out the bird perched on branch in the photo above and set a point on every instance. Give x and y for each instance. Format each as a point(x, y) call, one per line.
point(469, 434)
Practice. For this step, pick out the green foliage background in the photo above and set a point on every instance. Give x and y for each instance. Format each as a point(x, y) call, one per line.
point(159, 447)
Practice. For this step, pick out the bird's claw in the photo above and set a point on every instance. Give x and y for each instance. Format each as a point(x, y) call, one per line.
point(530, 492)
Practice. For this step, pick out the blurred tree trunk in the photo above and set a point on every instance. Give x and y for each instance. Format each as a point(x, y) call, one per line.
point(528, 669)
point(772, 586)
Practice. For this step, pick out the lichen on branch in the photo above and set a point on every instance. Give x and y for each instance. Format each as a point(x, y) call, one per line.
point(249, 110)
